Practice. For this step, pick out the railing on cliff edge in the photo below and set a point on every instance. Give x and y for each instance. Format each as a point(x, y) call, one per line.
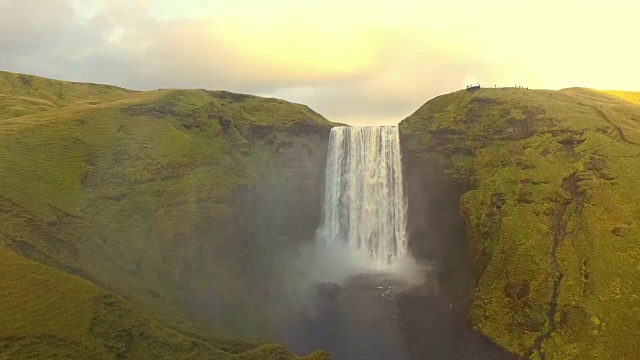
point(476, 86)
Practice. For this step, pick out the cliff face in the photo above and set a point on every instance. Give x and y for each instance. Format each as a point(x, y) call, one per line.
point(549, 190)
point(178, 201)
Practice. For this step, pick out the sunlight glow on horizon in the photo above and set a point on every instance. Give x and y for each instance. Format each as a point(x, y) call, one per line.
point(348, 60)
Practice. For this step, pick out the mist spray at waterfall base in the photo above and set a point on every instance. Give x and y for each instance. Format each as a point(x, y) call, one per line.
point(337, 262)
point(312, 264)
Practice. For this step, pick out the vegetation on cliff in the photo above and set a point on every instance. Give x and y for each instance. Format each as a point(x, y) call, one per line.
point(152, 198)
point(552, 214)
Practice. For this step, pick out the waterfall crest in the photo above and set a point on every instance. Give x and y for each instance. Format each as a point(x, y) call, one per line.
point(364, 203)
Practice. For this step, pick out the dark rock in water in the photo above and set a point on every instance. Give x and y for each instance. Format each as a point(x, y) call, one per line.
point(328, 289)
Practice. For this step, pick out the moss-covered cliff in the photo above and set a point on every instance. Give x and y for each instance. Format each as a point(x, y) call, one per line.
point(171, 203)
point(550, 198)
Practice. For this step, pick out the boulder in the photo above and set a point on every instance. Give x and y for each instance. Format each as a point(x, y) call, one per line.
point(328, 289)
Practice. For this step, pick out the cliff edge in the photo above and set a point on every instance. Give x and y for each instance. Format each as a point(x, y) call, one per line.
point(547, 183)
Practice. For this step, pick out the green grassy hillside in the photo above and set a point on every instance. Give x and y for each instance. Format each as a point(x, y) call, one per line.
point(48, 314)
point(25, 94)
point(629, 96)
point(552, 216)
point(148, 195)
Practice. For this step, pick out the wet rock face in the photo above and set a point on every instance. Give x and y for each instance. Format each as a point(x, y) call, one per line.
point(358, 323)
point(289, 200)
point(549, 214)
point(433, 316)
point(279, 212)
point(328, 289)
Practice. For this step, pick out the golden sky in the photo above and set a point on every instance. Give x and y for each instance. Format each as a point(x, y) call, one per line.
point(360, 62)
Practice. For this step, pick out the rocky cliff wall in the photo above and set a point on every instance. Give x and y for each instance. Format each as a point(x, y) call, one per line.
point(548, 210)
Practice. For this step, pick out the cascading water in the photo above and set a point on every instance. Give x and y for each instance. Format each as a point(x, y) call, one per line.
point(361, 245)
point(364, 204)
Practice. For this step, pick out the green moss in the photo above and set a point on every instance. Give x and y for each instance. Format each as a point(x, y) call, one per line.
point(145, 194)
point(530, 226)
point(22, 94)
point(50, 314)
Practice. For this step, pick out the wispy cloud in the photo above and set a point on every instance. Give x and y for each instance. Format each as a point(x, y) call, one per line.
point(352, 61)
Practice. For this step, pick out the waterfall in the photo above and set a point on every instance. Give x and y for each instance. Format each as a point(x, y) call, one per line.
point(364, 204)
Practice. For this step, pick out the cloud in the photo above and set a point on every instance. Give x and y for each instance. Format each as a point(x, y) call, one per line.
point(351, 61)
point(26, 32)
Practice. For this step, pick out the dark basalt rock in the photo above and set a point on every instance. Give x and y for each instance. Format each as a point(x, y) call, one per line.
point(328, 289)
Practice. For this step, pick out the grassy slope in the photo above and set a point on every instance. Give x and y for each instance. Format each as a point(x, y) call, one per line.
point(111, 184)
point(48, 314)
point(629, 96)
point(553, 214)
point(25, 94)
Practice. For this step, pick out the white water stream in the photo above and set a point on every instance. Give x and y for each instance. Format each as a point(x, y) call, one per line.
point(364, 204)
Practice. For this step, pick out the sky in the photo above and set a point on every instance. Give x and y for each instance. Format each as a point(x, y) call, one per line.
point(357, 62)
